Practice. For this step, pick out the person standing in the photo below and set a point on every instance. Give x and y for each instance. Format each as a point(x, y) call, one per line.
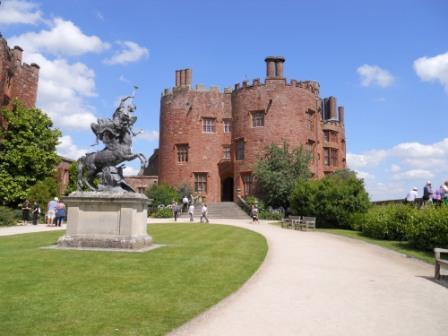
point(445, 193)
point(175, 209)
point(185, 203)
point(60, 213)
point(204, 211)
point(427, 193)
point(191, 212)
point(254, 214)
point(26, 212)
point(51, 211)
point(36, 213)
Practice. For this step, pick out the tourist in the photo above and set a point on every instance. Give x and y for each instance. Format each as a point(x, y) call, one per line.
point(175, 209)
point(60, 213)
point(411, 196)
point(26, 212)
point(36, 213)
point(185, 203)
point(204, 213)
point(427, 193)
point(51, 211)
point(254, 214)
point(437, 196)
point(445, 193)
point(191, 212)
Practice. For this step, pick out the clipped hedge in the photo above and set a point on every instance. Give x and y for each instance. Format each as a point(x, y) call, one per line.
point(424, 229)
point(7, 216)
point(429, 229)
point(388, 222)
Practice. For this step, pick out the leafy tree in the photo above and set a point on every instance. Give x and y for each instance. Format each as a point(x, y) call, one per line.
point(27, 152)
point(334, 199)
point(162, 194)
point(43, 191)
point(184, 189)
point(72, 178)
point(277, 172)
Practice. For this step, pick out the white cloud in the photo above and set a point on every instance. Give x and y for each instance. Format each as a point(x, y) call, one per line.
point(62, 90)
point(364, 175)
point(19, 12)
point(413, 174)
point(433, 69)
point(123, 79)
point(369, 158)
point(130, 171)
point(149, 135)
point(63, 39)
point(68, 149)
point(373, 75)
point(394, 168)
point(130, 52)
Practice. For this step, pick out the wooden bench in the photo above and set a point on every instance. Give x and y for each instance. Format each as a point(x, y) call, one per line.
point(439, 261)
point(307, 223)
point(290, 221)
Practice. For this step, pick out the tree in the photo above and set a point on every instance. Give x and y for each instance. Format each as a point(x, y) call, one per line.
point(162, 194)
point(333, 200)
point(72, 178)
point(27, 152)
point(276, 173)
point(43, 191)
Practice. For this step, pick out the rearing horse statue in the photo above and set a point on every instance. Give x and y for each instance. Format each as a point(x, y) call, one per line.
point(117, 135)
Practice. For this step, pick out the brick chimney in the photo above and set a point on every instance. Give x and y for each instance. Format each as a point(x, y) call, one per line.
point(274, 67)
point(17, 52)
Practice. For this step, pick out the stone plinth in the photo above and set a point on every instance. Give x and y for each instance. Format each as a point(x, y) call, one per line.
point(106, 220)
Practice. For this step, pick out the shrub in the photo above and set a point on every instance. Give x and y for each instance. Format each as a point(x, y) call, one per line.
point(388, 222)
point(333, 200)
point(162, 213)
point(7, 216)
point(266, 214)
point(429, 229)
point(161, 194)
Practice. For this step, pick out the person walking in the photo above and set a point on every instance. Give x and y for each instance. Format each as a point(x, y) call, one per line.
point(254, 214)
point(51, 211)
point(60, 213)
point(175, 209)
point(26, 208)
point(191, 212)
point(427, 193)
point(204, 211)
point(36, 213)
point(437, 196)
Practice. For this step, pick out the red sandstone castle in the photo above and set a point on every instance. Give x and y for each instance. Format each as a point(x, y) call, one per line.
point(211, 139)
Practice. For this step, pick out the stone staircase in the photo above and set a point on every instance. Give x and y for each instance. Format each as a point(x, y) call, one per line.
point(225, 210)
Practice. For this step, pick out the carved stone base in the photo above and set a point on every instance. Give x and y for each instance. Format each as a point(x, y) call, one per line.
point(106, 220)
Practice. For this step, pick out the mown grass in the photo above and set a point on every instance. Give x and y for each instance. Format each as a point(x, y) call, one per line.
point(64, 292)
point(398, 246)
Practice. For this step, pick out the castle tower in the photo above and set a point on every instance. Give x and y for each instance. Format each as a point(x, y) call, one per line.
point(17, 80)
point(195, 126)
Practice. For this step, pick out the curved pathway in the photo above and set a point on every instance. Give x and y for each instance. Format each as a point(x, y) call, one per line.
point(313, 283)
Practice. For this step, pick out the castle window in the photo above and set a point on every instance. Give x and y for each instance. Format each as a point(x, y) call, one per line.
point(208, 125)
point(247, 183)
point(334, 157)
point(310, 147)
point(258, 119)
point(327, 136)
point(310, 120)
point(227, 153)
point(182, 153)
point(240, 150)
point(227, 125)
point(200, 182)
point(326, 156)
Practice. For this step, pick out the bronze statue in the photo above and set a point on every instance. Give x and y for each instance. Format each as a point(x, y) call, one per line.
point(116, 135)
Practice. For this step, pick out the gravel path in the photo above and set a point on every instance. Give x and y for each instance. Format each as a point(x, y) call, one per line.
point(20, 229)
point(314, 283)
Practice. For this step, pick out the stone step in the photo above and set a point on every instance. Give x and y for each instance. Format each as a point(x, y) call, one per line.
point(227, 210)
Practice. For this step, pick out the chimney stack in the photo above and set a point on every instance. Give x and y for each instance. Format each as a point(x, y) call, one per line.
point(177, 78)
point(341, 114)
point(332, 105)
point(188, 76)
point(17, 52)
point(274, 67)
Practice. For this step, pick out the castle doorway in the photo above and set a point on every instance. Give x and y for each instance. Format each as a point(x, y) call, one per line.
point(227, 190)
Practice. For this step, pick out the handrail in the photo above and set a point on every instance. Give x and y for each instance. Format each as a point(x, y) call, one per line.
point(243, 205)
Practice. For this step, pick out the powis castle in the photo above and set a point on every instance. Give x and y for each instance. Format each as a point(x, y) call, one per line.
point(211, 139)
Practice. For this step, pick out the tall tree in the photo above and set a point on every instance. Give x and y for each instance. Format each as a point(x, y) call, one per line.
point(278, 170)
point(27, 152)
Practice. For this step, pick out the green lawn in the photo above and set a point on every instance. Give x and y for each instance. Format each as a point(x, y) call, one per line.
point(401, 247)
point(56, 292)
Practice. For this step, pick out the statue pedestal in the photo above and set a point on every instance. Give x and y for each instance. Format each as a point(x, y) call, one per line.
point(106, 220)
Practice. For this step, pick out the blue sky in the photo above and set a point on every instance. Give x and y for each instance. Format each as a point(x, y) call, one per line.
point(385, 61)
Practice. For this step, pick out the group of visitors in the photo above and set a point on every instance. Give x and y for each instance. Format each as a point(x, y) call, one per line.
point(55, 212)
point(188, 205)
point(437, 197)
